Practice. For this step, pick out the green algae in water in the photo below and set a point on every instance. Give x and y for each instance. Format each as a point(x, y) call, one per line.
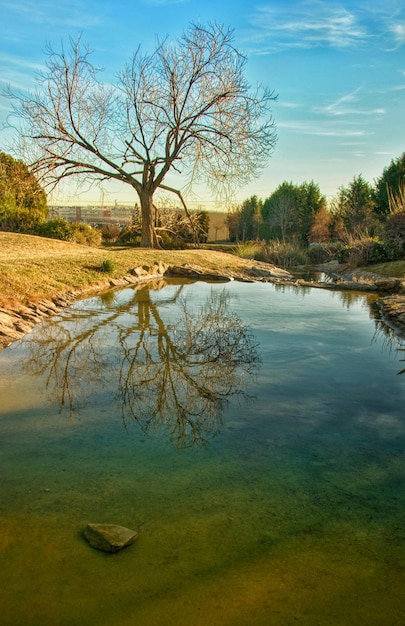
point(285, 506)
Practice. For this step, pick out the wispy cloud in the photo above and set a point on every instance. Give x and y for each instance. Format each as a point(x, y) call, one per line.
point(398, 31)
point(309, 24)
point(19, 62)
point(288, 105)
point(20, 72)
point(321, 129)
point(69, 13)
point(340, 105)
point(349, 104)
point(314, 24)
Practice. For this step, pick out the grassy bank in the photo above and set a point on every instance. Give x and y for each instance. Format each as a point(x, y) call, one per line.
point(34, 268)
point(394, 268)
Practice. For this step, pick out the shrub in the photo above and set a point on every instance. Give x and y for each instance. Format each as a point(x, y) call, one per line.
point(395, 236)
point(110, 232)
point(22, 200)
point(322, 252)
point(86, 235)
point(107, 266)
point(169, 241)
point(362, 252)
point(285, 254)
point(57, 228)
point(378, 253)
point(130, 237)
point(276, 252)
point(343, 254)
point(248, 250)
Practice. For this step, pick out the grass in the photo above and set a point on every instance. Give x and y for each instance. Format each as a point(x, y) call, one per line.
point(394, 269)
point(34, 268)
point(248, 250)
point(282, 254)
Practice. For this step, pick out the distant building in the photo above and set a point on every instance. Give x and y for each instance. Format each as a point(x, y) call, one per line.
point(95, 216)
point(124, 216)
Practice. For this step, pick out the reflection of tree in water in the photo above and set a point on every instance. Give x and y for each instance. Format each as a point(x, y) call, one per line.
point(174, 374)
point(389, 341)
point(180, 376)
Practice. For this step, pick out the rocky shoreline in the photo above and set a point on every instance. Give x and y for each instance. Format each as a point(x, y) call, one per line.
point(15, 322)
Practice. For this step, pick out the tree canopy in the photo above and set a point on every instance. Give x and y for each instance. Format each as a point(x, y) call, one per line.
point(244, 224)
point(355, 206)
point(186, 107)
point(291, 209)
point(22, 199)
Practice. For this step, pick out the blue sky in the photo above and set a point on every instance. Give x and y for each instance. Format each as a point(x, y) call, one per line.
point(338, 69)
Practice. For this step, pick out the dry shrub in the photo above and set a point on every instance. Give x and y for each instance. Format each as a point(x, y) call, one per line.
point(395, 236)
point(85, 235)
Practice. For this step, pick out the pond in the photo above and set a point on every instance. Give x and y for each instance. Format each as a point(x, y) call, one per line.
point(253, 435)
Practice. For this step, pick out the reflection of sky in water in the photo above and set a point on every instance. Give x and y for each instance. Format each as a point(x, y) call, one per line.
point(292, 513)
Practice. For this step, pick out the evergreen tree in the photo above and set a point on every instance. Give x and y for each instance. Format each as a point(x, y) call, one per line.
point(290, 211)
point(355, 205)
point(245, 223)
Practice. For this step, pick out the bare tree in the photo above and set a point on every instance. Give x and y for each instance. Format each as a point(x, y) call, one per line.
point(280, 211)
point(186, 108)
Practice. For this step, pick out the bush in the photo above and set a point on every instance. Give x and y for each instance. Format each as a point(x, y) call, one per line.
point(129, 237)
point(110, 232)
point(276, 252)
point(107, 266)
point(169, 241)
point(20, 221)
point(248, 250)
point(378, 253)
point(57, 228)
point(285, 254)
point(22, 200)
point(85, 234)
point(323, 252)
point(395, 236)
point(343, 254)
point(362, 252)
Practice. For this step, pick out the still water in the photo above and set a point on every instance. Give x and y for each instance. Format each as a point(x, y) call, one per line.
point(252, 435)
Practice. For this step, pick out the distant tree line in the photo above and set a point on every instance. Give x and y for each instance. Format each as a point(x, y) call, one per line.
point(301, 215)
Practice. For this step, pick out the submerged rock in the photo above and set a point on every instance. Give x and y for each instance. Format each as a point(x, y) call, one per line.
point(109, 537)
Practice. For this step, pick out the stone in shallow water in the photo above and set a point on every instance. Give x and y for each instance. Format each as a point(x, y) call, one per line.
point(109, 537)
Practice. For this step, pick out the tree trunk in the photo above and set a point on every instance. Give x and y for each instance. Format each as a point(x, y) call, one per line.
point(148, 237)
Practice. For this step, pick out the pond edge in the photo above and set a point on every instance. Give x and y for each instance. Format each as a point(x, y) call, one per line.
point(15, 322)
